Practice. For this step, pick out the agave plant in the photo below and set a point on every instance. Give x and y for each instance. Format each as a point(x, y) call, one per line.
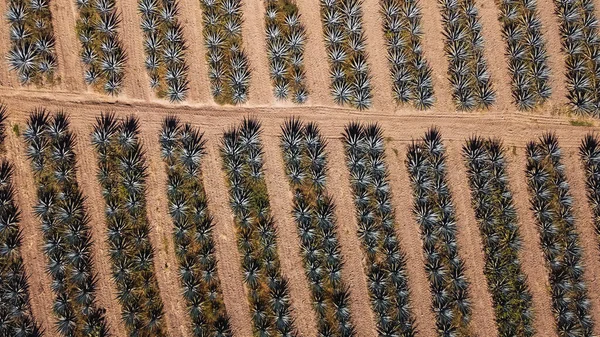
point(229, 71)
point(467, 68)
point(303, 149)
point(497, 220)
point(102, 51)
point(385, 266)
point(122, 175)
point(15, 307)
point(286, 37)
point(410, 72)
point(64, 223)
point(241, 150)
point(32, 54)
point(434, 211)
point(345, 42)
point(182, 151)
point(552, 206)
point(579, 35)
point(589, 151)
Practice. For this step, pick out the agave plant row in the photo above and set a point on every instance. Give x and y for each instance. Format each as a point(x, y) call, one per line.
point(286, 37)
point(552, 205)
point(410, 72)
point(32, 54)
point(526, 50)
point(102, 52)
point(497, 219)
point(590, 156)
point(467, 69)
point(580, 42)
point(65, 225)
point(16, 318)
point(268, 291)
point(165, 48)
point(385, 261)
point(182, 149)
point(346, 48)
point(436, 216)
point(122, 177)
point(303, 149)
point(228, 67)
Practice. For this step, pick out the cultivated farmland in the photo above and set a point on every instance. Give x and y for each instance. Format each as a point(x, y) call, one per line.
point(299, 168)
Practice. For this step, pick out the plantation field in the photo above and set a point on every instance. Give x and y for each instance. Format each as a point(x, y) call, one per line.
point(299, 168)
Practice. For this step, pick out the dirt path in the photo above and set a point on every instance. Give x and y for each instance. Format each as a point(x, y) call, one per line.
point(106, 290)
point(409, 233)
point(136, 83)
point(161, 226)
point(338, 185)
point(315, 54)
point(70, 69)
point(531, 255)
point(288, 243)
point(190, 17)
point(585, 227)
point(377, 59)
point(495, 54)
point(556, 58)
point(229, 260)
point(433, 49)
point(34, 260)
point(470, 245)
point(255, 45)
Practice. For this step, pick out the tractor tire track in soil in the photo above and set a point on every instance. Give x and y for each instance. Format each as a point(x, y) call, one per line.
point(255, 46)
point(288, 242)
point(316, 61)
point(556, 56)
point(353, 272)
point(191, 23)
point(70, 69)
point(470, 245)
point(41, 296)
point(106, 290)
point(585, 227)
point(166, 266)
point(532, 258)
point(495, 55)
point(409, 236)
point(228, 257)
point(377, 57)
point(136, 83)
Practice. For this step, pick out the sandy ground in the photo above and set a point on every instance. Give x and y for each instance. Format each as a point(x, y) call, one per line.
point(288, 242)
point(468, 238)
point(338, 185)
point(494, 53)
point(255, 46)
point(40, 293)
point(190, 19)
point(70, 70)
point(377, 57)
point(106, 291)
point(161, 229)
point(315, 54)
point(409, 235)
point(531, 255)
point(556, 58)
point(513, 127)
point(7, 78)
point(136, 83)
point(229, 260)
point(585, 227)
